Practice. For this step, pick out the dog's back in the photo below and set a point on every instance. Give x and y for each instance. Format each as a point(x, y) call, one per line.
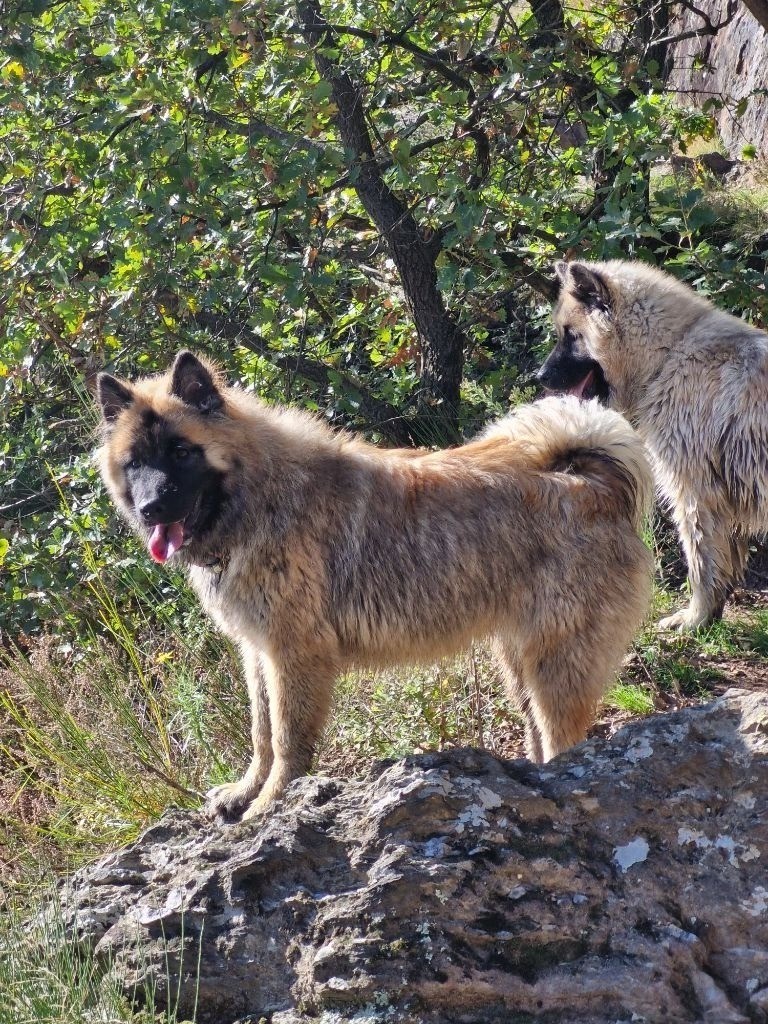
point(530, 531)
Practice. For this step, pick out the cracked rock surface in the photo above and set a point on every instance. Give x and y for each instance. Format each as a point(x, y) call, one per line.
point(625, 881)
point(732, 63)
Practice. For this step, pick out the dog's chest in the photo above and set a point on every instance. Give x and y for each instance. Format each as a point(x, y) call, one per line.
point(235, 595)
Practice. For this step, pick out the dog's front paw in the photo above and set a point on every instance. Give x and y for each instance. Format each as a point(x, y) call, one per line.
point(685, 621)
point(265, 801)
point(228, 801)
point(262, 803)
point(272, 791)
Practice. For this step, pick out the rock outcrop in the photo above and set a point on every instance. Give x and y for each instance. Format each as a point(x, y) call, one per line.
point(624, 881)
point(731, 65)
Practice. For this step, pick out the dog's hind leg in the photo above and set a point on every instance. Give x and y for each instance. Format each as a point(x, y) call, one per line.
point(511, 673)
point(732, 572)
point(564, 681)
point(739, 550)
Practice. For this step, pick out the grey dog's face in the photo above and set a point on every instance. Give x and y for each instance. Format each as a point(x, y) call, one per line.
point(582, 312)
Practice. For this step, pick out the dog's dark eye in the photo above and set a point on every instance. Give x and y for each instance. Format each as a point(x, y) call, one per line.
point(180, 451)
point(133, 464)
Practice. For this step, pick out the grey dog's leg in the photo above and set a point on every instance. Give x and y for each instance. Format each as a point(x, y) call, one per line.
point(717, 556)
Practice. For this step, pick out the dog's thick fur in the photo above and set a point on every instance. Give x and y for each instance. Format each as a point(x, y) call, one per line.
point(315, 551)
point(693, 381)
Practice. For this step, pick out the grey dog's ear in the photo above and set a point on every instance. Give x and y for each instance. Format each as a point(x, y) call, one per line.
point(561, 272)
point(113, 396)
point(589, 287)
point(193, 383)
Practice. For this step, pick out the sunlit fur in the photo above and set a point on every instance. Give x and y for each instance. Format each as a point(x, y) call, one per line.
point(336, 553)
point(693, 380)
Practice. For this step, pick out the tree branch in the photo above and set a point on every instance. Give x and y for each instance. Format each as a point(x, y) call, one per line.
point(545, 286)
point(255, 129)
point(401, 40)
point(140, 115)
point(379, 414)
point(709, 28)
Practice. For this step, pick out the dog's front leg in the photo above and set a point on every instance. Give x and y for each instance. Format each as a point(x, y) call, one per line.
point(228, 801)
point(299, 687)
point(716, 560)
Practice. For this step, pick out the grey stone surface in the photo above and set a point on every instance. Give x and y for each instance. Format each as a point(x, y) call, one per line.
point(734, 64)
point(624, 881)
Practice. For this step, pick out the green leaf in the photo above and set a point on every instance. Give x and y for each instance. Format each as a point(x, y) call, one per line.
point(322, 91)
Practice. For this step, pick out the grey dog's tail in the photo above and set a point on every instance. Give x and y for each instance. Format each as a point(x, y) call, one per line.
point(564, 434)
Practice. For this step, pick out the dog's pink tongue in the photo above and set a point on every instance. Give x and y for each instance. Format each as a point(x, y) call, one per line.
point(582, 386)
point(165, 539)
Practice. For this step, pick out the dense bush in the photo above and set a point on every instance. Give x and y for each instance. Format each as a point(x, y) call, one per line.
point(353, 207)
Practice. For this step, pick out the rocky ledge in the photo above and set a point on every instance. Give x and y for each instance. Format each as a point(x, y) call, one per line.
point(624, 881)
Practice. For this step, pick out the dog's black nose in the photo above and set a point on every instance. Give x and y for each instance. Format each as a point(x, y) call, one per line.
point(153, 511)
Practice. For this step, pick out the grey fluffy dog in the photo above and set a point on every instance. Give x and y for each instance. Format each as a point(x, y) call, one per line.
point(693, 380)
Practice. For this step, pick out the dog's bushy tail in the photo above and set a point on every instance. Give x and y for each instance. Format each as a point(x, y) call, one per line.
point(564, 434)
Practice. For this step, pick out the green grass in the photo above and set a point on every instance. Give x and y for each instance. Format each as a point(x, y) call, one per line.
point(629, 697)
point(45, 978)
point(93, 750)
point(734, 637)
point(740, 206)
point(691, 665)
point(753, 634)
point(743, 208)
point(391, 713)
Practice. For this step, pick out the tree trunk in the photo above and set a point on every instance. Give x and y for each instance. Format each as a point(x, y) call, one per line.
point(414, 251)
point(551, 21)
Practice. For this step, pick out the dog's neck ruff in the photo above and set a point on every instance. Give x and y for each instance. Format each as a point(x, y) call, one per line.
point(216, 564)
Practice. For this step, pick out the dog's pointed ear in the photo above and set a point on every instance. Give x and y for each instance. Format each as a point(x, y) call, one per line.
point(193, 383)
point(113, 396)
point(561, 271)
point(589, 287)
point(561, 276)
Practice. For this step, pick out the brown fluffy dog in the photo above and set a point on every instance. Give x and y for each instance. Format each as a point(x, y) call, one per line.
point(315, 551)
point(693, 381)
